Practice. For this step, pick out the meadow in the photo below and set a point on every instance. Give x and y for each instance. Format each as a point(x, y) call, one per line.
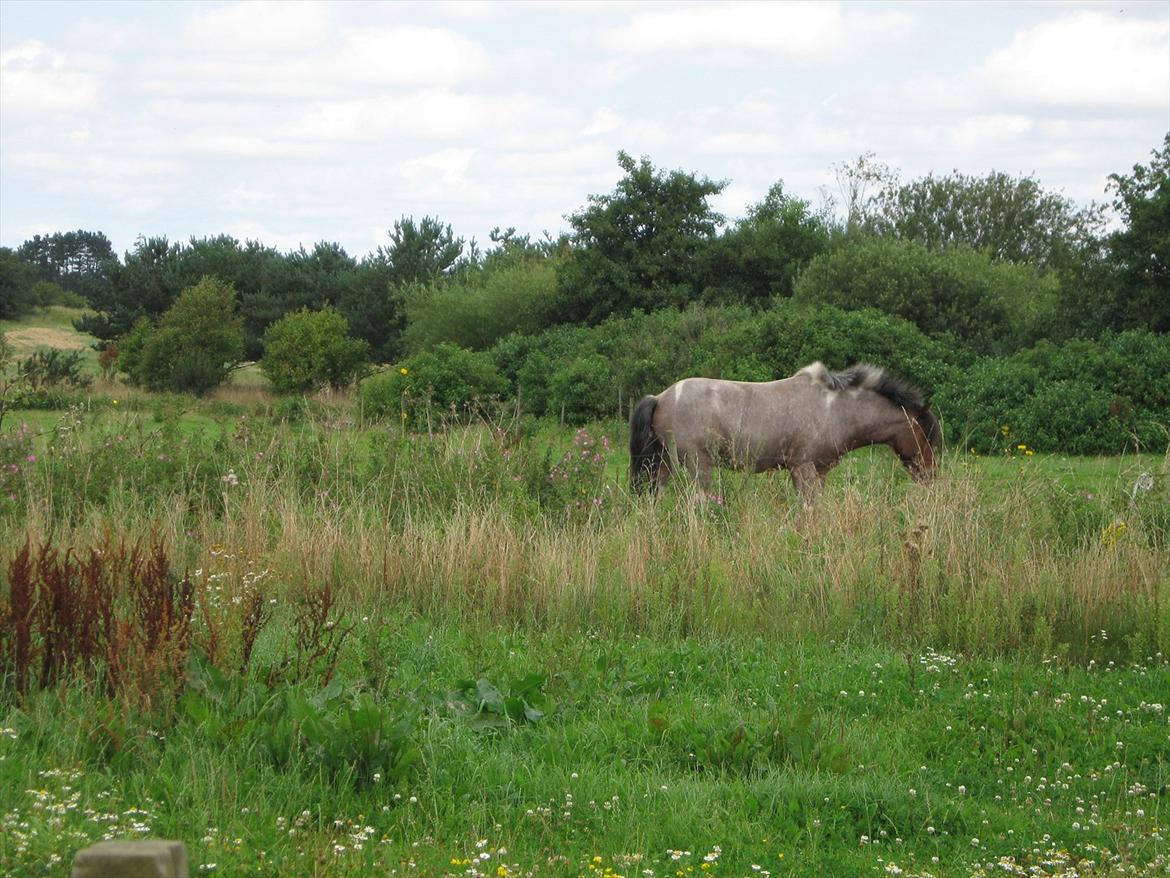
point(309, 643)
point(930, 680)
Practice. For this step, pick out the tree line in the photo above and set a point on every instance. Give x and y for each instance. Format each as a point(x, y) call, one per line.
point(981, 266)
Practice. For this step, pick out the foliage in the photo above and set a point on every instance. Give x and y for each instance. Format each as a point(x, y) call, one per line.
point(372, 310)
point(1139, 292)
point(428, 387)
point(420, 252)
point(78, 261)
point(51, 368)
point(346, 735)
point(638, 247)
point(476, 310)
point(956, 293)
point(17, 282)
point(284, 283)
point(583, 389)
point(306, 349)
point(1082, 397)
point(196, 344)
point(486, 707)
point(113, 611)
point(145, 284)
point(1011, 219)
point(761, 255)
point(860, 184)
point(587, 370)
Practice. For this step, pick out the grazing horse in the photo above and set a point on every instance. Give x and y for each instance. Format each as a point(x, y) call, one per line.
point(804, 424)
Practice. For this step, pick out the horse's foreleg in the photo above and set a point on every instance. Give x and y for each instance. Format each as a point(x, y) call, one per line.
point(809, 481)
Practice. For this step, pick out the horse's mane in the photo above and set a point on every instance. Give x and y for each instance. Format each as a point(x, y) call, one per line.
point(896, 390)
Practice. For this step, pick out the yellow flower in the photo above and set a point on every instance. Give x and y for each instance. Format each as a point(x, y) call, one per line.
point(1029, 452)
point(502, 871)
point(403, 371)
point(1022, 447)
point(113, 402)
point(1005, 429)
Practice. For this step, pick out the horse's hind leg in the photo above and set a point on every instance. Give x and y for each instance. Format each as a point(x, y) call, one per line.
point(662, 476)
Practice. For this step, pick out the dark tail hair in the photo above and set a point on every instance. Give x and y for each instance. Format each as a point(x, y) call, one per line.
point(646, 449)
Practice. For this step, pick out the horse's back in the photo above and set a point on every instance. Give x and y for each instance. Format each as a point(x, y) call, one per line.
point(734, 420)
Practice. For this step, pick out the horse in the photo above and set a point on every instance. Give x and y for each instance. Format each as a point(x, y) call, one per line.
point(804, 424)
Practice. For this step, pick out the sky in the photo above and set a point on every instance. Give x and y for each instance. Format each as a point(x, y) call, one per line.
point(292, 123)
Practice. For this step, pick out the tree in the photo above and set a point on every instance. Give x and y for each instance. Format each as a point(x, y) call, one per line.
point(307, 349)
point(760, 257)
point(374, 314)
point(1139, 254)
point(1013, 219)
point(859, 184)
point(17, 282)
point(145, 284)
point(958, 293)
point(422, 252)
point(641, 246)
point(477, 310)
point(76, 261)
point(197, 342)
point(310, 279)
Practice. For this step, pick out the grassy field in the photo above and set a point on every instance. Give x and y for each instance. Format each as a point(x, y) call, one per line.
point(310, 645)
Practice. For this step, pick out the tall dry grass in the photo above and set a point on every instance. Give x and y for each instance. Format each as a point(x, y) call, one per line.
point(875, 559)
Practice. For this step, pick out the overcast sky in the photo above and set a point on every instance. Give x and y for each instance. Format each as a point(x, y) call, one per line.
point(297, 122)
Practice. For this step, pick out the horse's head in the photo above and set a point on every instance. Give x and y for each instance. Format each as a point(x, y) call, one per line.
point(917, 443)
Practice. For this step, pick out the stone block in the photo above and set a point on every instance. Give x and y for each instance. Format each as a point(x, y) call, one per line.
point(132, 859)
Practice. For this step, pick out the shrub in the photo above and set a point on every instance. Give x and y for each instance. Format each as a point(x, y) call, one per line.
point(53, 368)
point(195, 345)
point(583, 389)
point(478, 311)
point(961, 294)
point(307, 349)
point(1083, 397)
point(448, 380)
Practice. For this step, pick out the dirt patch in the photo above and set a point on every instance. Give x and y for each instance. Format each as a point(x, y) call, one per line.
point(31, 339)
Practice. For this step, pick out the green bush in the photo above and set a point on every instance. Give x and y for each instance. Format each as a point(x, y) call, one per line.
point(307, 349)
point(429, 387)
point(951, 294)
point(195, 346)
point(53, 368)
point(645, 353)
point(477, 311)
point(1083, 397)
point(583, 389)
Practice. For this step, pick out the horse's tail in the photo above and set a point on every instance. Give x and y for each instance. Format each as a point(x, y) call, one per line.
point(646, 449)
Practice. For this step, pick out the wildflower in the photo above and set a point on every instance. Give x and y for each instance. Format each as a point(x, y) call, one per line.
point(403, 371)
point(113, 402)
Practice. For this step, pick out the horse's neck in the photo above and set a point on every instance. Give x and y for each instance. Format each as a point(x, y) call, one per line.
point(867, 422)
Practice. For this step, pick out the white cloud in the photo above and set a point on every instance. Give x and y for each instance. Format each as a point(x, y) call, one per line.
point(310, 58)
point(38, 80)
point(260, 27)
point(603, 121)
point(739, 32)
point(1090, 60)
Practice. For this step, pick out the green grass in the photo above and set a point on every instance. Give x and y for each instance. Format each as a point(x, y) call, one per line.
point(795, 756)
point(975, 671)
